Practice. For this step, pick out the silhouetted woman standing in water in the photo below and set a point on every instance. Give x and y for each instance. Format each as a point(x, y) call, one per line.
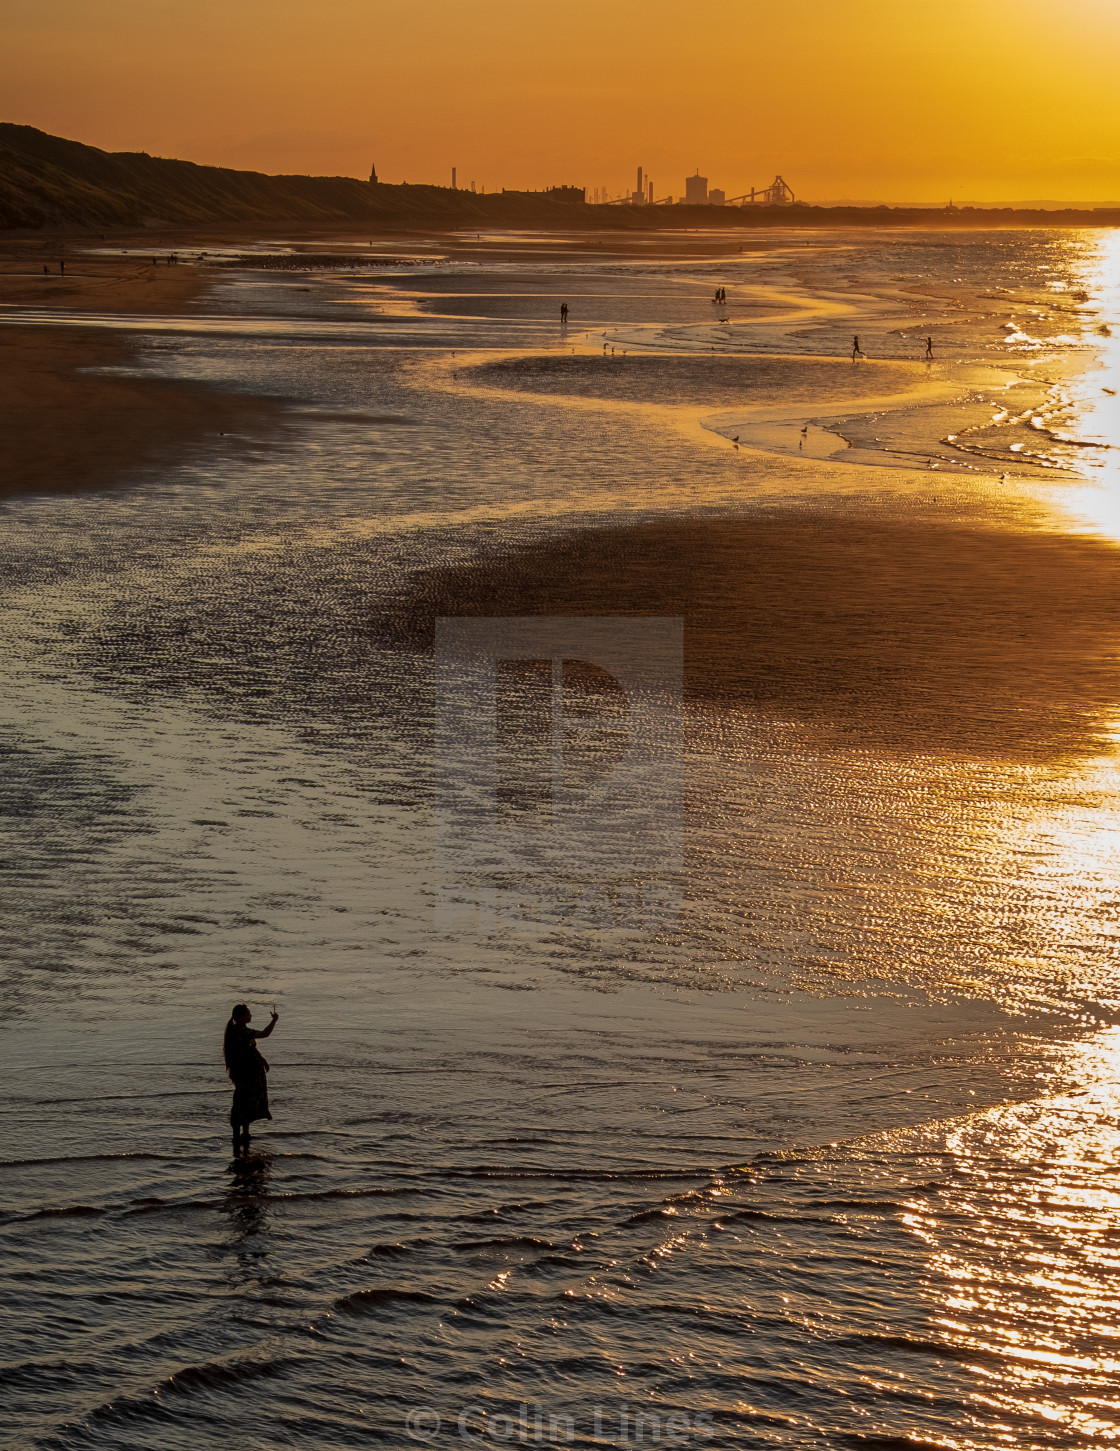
point(248, 1072)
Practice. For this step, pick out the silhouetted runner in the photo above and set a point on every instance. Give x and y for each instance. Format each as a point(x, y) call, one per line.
point(248, 1072)
point(929, 347)
point(857, 351)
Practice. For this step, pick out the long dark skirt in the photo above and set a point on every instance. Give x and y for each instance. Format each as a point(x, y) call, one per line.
point(250, 1100)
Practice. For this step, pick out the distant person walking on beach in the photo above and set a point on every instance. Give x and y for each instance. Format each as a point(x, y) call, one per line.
point(929, 347)
point(563, 312)
point(248, 1072)
point(857, 351)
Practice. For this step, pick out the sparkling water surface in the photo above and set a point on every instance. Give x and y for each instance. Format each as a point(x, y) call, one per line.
point(828, 1160)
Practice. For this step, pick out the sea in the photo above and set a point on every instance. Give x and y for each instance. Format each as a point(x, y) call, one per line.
point(662, 769)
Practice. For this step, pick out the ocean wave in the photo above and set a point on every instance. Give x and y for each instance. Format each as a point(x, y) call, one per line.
point(130, 1408)
point(501, 1242)
point(93, 1159)
point(359, 1301)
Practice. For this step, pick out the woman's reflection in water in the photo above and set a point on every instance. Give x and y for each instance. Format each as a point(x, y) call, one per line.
point(246, 1202)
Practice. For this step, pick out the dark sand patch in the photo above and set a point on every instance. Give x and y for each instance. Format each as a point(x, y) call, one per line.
point(704, 381)
point(67, 430)
point(916, 635)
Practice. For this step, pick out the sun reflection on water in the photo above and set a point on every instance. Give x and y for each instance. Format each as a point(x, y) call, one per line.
point(1024, 1249)
point(1092, 402)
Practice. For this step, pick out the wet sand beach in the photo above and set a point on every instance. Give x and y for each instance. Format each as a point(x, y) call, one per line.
point(824, 1148)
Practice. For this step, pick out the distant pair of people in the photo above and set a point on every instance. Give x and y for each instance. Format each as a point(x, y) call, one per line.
point(720, 295)
point(857, 351)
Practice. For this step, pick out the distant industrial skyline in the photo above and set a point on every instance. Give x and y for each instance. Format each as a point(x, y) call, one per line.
point(696, 192)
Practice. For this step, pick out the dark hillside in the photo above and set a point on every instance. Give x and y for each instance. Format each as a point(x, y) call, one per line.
point(46, 181)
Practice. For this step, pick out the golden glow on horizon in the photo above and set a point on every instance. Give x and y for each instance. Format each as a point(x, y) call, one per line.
point(866, 99)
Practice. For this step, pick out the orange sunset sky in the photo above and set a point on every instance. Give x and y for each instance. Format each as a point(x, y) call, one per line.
point(892, 100)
